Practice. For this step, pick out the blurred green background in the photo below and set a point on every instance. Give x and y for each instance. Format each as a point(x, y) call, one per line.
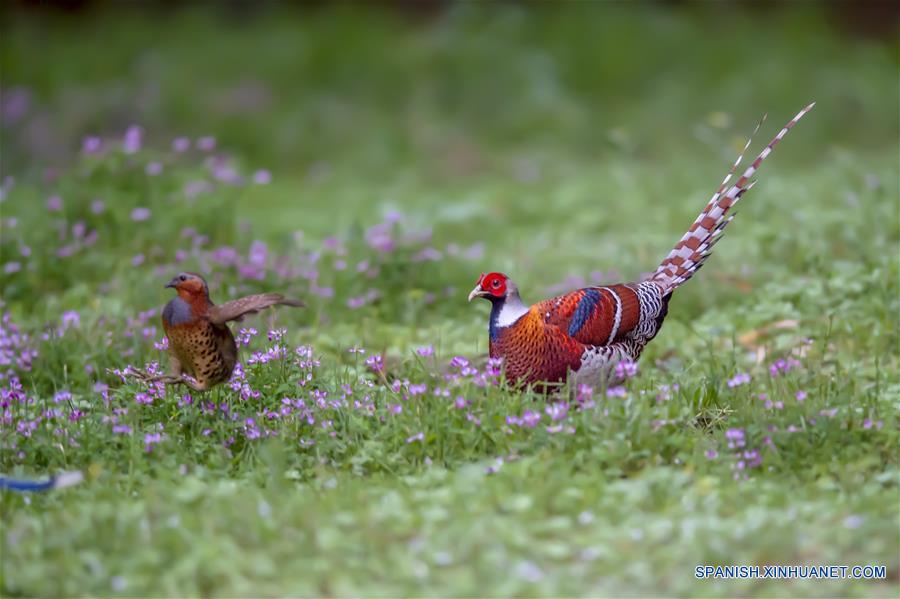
point(522, 121)
point(562, 143)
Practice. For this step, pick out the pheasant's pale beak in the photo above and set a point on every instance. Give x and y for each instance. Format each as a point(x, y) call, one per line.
point(477, 292)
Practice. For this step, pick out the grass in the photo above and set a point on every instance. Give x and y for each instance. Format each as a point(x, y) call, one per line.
point(562, 147)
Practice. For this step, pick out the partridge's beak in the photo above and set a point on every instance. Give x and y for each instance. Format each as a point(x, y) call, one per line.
point(173, 283)
point(477, 292)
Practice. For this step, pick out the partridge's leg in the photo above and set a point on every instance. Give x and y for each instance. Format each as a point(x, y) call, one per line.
point(175, 366)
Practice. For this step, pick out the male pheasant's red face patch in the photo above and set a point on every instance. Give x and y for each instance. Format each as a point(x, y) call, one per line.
point(494, 283)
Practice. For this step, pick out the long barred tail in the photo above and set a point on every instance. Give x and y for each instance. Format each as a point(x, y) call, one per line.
point(695, 246)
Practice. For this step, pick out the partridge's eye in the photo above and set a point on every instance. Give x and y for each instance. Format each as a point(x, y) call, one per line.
point(182, 278)
point(496, 283)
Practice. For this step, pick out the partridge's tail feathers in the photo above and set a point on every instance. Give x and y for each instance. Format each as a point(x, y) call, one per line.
point(695, 246)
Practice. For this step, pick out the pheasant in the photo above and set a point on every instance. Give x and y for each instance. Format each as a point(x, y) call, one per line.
point(589, 331)
point(200, 342)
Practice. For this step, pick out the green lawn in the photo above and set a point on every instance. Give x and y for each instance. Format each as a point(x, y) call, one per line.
point(374, 165)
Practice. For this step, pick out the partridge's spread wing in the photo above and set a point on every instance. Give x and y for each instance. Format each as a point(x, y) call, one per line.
point(236, 309)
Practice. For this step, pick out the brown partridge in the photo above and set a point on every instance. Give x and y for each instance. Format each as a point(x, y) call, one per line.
point(200, 342)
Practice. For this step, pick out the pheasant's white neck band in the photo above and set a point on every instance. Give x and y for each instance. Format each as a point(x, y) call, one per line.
point(513, 309)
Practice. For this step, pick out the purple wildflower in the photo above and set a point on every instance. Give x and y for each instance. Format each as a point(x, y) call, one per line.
point(626, 369)
point(206, 144)
point(150, 439)
point(91, 144)
point(783, 366)
point(458, 362)
point(326, 292)
point(355, 303)
point(417, 437)
point(557, 411)
point(735, 437)
point(222, 171)
point(530, 419)
point(584, 396)
point(54, 204)
point(417, 389)
point(616, 392)
point(428, 254)
point(262, 177)
point(66, 251)
point(375, 363)
point(494, 367)
point(192, 189)
point(753, 457)
point(379, 238)
point(181, 144)
point(14, 105)
point(738, 380)
point(140, 214)
point(133, 138)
